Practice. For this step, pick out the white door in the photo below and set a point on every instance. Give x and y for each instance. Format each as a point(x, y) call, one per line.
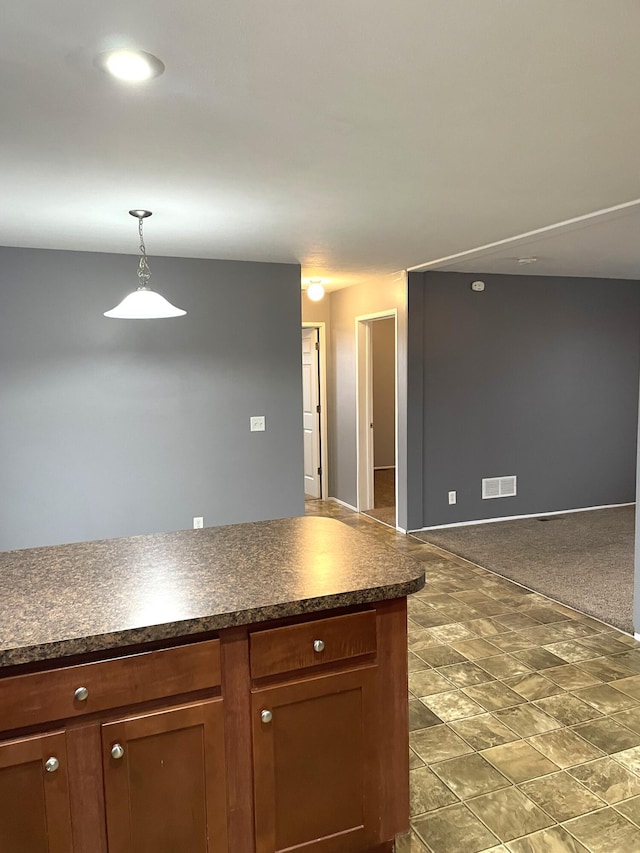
point(311, 413)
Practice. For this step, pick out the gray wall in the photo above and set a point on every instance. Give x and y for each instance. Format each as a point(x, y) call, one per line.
point(536, 377)
point(636, 574)
point(383, 368)
point(113, 428)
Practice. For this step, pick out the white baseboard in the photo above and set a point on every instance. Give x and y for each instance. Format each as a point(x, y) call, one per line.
point(349, 506)
point(343, 503)
point(635, 637)
point(518, 517)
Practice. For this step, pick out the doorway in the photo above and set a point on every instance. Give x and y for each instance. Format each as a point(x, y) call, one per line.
point(377, 415)
point(314, 410)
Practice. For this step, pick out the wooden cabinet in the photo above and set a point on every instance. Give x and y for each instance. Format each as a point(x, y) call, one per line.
point(165, 792)
point(34, 795)
point(287, 736)
point(277, 651)
point(164, 781)
point(77, 691)
point(163, 777)
point(315, 714)
point(315, 770)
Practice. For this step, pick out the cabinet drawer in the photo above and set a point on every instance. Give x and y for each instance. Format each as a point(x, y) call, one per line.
point(27, 700)
point(292, 647)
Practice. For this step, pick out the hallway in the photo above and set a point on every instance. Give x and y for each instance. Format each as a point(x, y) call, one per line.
point(384, 496)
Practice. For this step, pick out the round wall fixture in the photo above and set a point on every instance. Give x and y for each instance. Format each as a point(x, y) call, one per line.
point(315, 290)
point(478, 286)
point(132, 66)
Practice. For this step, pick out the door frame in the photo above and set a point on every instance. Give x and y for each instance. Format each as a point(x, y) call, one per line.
point(364, 407)
point(324, 459)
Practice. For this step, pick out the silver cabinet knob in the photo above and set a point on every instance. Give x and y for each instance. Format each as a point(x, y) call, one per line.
point(81, 694)
point(51, 764)
point(266, 716)
point(117, 751)
point(318, 645)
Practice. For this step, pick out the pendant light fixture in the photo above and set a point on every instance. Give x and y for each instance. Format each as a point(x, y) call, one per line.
point(143, 303)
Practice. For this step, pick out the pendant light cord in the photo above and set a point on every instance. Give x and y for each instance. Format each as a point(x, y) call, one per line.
point(144, 273)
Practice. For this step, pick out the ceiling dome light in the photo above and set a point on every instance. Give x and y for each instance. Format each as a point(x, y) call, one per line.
point(143, 303)
point(133, 66)
point(315, 290)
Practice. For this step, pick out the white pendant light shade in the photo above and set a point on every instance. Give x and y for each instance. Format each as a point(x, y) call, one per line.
point(144, 305)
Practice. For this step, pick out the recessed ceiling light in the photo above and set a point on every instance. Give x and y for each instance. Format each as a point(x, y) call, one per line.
point(133, 66)
point(525, 261)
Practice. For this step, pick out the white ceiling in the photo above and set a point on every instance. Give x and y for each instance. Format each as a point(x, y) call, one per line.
point(605, 245)
point(357, 137)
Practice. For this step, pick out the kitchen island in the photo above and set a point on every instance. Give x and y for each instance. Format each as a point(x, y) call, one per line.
point(239, 688)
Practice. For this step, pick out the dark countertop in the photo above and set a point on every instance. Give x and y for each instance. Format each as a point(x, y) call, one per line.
point(70, 599)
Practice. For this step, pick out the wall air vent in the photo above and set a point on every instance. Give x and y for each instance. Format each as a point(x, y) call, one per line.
point(499, 487)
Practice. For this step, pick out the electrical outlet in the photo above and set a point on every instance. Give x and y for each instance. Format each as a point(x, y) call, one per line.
point(198, 522)
point(257, 423)
point(453, 497)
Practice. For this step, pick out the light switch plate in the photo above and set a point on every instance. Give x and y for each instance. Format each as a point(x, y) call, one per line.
point(257, 423)
point(453, 497)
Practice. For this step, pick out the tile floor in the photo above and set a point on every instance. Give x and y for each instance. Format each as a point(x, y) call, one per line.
point(524, 715)
point(384, 491)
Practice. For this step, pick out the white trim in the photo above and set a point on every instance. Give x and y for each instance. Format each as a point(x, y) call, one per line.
point(324, 456)
point(397, 414)
point(364, 445)
point(518, 517)
point(377, 315)
point(605, 213)
point(609, 625)
point(383, 467)
point(364, 402)
point(343, 503)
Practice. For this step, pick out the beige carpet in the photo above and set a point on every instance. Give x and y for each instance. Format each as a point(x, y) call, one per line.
point(582, 559)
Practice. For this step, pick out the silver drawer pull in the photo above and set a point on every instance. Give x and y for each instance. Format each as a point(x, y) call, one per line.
point(81, 694)
point(266, 716)
point(117, 751)
point(51, 764)
point(318, 645)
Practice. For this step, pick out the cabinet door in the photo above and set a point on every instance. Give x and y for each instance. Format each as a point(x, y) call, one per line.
point(34, 795)
point(164, 776)
point(315, 768)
